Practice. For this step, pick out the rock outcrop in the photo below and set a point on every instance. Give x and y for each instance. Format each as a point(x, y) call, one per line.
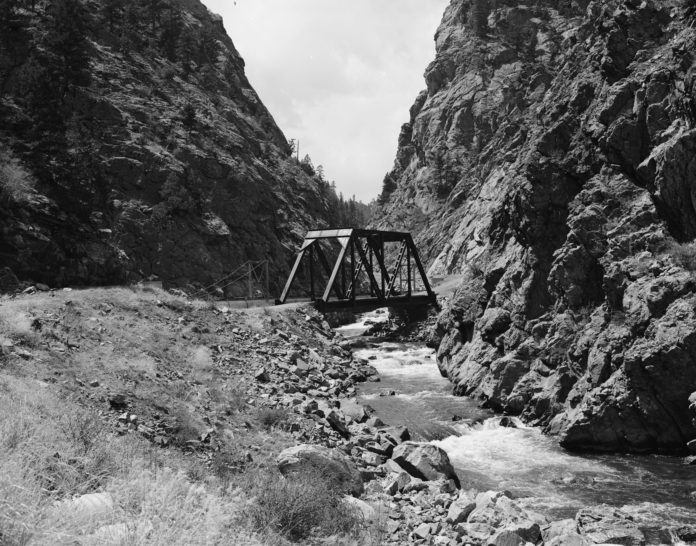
point(323, 463)
point(132, 144)
point(550, 165)
point(424, 461)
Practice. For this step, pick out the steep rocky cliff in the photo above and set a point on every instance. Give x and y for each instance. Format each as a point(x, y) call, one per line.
point(132, 144)
point(551, 164)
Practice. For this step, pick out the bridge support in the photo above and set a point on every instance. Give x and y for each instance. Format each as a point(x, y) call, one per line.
point(371, 269)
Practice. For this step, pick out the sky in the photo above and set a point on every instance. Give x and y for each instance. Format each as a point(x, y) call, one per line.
point(338, 75)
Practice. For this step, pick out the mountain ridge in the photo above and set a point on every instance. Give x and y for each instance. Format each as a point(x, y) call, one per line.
point(134, 145)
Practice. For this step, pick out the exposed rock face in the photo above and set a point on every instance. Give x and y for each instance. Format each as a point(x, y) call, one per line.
point(550, 164)
point(159, 159)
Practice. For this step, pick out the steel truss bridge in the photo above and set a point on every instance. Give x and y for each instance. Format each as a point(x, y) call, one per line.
point(360, 269)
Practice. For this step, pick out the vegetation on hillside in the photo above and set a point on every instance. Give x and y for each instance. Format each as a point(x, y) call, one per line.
point(345, 212)
point(135, 123)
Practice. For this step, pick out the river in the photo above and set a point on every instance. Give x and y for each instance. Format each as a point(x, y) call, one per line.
point(656, 490)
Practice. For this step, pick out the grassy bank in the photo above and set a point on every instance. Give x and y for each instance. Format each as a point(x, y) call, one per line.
point(149, 400)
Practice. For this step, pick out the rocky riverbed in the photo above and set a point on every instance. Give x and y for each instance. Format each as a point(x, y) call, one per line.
point(224, 393)
point(440, 492)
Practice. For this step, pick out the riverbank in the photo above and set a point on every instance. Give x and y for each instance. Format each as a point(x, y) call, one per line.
point(139, 416)
point(629, 499)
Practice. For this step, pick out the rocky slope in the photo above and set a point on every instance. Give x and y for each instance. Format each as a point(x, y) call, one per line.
point(132, 144)
point(140, 416)
point(550, 164)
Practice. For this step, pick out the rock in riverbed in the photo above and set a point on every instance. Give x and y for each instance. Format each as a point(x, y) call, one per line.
point(424, 461)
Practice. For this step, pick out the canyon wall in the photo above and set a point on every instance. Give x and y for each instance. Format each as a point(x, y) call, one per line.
point(550, 165)
point(132, 144)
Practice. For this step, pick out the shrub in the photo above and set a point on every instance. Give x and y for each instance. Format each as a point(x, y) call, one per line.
point(295, 508)
point(16, 184)
point(187, 429)
point(269, 418)
point(83, 429)
point(228, 462)
point(684, 254)
point(235, 398)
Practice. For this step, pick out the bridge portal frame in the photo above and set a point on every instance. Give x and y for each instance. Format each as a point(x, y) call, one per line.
point(361, 250)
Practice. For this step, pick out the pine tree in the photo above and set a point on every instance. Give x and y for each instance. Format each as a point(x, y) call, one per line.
point(14, 37)
point(153, 9)
point(207, 49)
point(112, 11)
point(171, 34)
point(388, 187)
point(188, 116)
point(307, 166)
point(67, 60)
point(479, 16)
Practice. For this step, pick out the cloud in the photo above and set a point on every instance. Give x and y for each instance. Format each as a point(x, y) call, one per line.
point(338, 75)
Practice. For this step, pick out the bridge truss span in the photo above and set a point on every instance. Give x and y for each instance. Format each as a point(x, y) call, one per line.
point(359, 269)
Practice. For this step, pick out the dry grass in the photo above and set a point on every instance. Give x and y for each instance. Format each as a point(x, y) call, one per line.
point(270, 418)
point(51, 451)
point(298, 508)
point(155, 347)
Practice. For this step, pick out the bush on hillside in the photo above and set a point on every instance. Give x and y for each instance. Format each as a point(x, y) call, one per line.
point(270, 418)
point(16, 184)
point(296, 508)
point(684, 254)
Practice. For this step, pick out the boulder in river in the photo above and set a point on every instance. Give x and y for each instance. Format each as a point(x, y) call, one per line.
point(563, 533)
point(330, 464)
point(605, 524)
point(424, 461)
point(496, 512)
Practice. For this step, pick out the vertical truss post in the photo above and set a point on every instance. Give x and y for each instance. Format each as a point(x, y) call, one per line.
point(372, 291)
point(343, 277)
point(408, 269)
point(311, 272)
point(383, 265)
point(353, 280)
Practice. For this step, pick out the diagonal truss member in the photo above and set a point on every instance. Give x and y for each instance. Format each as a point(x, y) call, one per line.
point(361, 251)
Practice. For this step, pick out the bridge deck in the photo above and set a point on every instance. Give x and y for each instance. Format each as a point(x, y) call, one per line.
point(364, 304)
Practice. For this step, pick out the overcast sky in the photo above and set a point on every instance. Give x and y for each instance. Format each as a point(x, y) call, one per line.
point(339, 75)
